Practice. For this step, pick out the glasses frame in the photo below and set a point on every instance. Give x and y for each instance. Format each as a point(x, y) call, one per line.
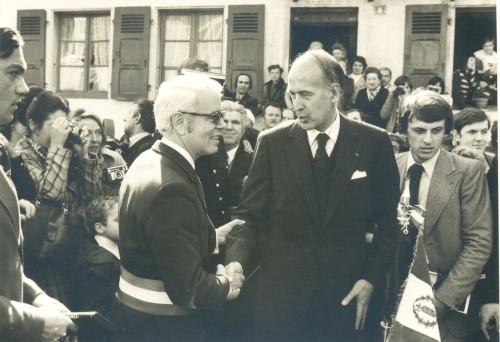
point(215, 116)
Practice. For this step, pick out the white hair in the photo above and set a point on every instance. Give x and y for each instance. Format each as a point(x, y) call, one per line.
point(182, 94)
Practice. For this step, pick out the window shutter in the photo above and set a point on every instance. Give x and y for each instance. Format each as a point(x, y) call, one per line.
point(425, 42)
point(31, 25)
point(245, 47)
point(130, 53)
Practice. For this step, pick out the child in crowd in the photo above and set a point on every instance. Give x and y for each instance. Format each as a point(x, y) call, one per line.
point(98, 267)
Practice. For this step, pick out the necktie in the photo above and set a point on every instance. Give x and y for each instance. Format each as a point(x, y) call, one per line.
point(321, 173)
point(415, 172)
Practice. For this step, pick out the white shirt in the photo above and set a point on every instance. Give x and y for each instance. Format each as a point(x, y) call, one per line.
point(179, 149)
point(108, 245)
point(425, 180)
point(231, 154)
point(137, 137)
point(333, 133)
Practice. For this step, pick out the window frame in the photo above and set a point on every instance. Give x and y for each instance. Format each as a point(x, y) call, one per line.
point(193, 41)
point(89, 94)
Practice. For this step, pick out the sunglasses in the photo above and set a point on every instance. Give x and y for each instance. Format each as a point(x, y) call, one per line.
point(215, 116)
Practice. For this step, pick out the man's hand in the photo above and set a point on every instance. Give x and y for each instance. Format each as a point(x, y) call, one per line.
point(362, 291)
point(59, 132)
point(56, 323)
point(224, 230)
point(43, 300)
point(488, 314)
point(234, 272)
point(29, 210)
point(441, 308)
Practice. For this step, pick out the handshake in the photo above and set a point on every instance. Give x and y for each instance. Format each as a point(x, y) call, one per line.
point(234, 273)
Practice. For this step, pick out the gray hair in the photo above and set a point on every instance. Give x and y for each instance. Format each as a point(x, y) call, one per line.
point(182, 94)
point(330, 69)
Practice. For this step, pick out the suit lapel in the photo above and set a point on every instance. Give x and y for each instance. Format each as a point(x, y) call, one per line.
point(444, 180)
point(8, 191)
point(402, 161)
point(346, 154)
point(172, 154)
point(299, 157)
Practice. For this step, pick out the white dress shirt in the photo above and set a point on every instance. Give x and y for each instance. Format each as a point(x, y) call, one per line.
point(108, 245)
point(135, 138)
point(333, 133)
point(425, 180)
point(179, 149)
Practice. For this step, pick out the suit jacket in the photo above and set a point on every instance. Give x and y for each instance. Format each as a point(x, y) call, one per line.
point(300, 253)
point(143, 144)
point(18, 321)
point(165, 232)
point(247, 101)
point(222, 183)
point(457, 228)
point(372, 108)
point(279, 95)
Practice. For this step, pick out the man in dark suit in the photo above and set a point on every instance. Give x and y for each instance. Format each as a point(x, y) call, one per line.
point(458, 223)
point(314, 187)
point(222, 174)
point(139, 127)
point(243, 84)
point(26, 312)
point(166, 236)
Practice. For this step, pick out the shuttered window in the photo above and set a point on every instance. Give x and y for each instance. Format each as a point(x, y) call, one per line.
point(31, 25)
point(84, 54)
point(132, 26)
point(191, 34)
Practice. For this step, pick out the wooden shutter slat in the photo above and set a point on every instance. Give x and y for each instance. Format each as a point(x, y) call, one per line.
point(130, 53)
point(31, 25)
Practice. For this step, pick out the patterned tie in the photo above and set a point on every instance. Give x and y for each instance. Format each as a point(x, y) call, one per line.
point(415, 172)
point(321, 173)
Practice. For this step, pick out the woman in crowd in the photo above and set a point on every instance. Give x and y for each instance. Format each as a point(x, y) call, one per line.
point(391, 110)
point(340, 54)
point(358, 66)
point(371, 99)
point(465, 82)
point(107, 158)
point(65, 173)
point(436, 84)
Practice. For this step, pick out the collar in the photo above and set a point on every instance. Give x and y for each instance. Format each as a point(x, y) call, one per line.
point(179, 149)
point(428, 165)
point(332, 131)
point(108, 245)
point(137, 137)
point(231, 153)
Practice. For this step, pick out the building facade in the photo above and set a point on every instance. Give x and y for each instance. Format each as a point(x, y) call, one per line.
point(103, 54)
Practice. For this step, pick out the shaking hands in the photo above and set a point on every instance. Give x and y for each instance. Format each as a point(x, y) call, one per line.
point(234, 273)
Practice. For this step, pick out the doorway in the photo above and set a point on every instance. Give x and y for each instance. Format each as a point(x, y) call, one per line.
point(472, 25)
point(325, 25)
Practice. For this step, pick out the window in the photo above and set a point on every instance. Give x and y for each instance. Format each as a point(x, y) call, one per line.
point(84, 48)
point(191, 34)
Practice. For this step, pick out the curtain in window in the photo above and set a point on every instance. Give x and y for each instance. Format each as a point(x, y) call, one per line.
point(177, 42)
point(209, 46)
point(99, 76)
point(72, 58)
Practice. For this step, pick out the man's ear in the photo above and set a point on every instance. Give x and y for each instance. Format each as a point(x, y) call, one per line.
point(99, 228)
point(179, 123)
point(32, 125)
point(334, 90)
point(456, 137)
point(137, 117)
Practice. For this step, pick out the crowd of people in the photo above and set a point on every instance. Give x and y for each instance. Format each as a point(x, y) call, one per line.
point(305, 188)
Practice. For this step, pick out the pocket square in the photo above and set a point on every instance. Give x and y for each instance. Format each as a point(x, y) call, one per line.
point(358, 174)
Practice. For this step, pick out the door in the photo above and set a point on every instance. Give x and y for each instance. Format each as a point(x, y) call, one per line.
point(245, 47)
point(425, 43)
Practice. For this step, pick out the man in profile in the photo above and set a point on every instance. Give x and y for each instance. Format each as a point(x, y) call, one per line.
point(315, 185)
point(166, 236)
point(26, 312)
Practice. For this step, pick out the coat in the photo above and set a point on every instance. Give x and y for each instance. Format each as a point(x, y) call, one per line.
point(300, 253)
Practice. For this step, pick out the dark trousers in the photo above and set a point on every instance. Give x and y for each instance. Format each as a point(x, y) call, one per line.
point(144, 327)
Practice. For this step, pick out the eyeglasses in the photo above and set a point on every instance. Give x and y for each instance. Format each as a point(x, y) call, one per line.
point(215, 116)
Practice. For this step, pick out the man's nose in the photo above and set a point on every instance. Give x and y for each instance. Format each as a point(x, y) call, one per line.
point(428, 137)
point(221, 124)
point(22, 87)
